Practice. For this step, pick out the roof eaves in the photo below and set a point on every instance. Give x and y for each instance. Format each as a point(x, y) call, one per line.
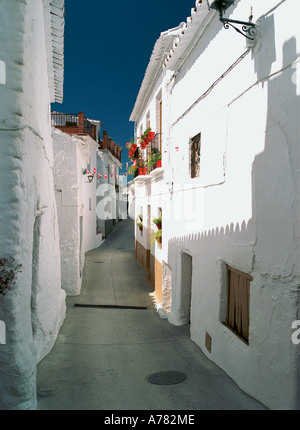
point(54, 18)
point(155, 66)
point(190, 34)
point(168, 51)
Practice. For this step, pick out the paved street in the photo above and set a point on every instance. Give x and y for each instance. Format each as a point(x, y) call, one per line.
point(104, 355)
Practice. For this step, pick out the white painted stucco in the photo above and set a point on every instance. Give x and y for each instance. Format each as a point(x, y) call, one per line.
point(107, 197)
point(35, 309)
point(243, 210)
point(76, 204)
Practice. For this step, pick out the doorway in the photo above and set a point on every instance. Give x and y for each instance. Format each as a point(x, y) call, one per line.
point(186, 286)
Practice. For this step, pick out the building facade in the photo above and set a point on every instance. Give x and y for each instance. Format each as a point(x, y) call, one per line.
point(32, 40)
point(228, 191)
point(76, 204)
point(108, 187)
point(86, 175)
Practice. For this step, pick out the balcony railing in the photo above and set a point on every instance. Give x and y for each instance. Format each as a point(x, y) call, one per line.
point(153, 148)
point(73, 123)
point(88, 127)
point(64, 119)
point(146, 158)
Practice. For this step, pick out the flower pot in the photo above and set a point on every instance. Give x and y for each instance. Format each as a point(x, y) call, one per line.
point(142, 171)
point(141, 228)
point(151, 135)
point(158, 163)
point(158, 225)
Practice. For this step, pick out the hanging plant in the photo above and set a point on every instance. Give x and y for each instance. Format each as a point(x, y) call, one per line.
point(147, 137)
point(156, 236)
point(158, 222)
point(155, 158)
point(151, 135)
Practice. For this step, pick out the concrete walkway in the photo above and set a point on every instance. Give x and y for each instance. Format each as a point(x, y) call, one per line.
point(103, 356)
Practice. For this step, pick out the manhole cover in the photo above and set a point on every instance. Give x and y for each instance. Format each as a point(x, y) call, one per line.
point(167, 378)
point(44, 393)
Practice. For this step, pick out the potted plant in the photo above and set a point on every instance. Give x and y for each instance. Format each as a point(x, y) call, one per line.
point(132, 149)
point(8, 273)
point(156, 236)
point(158, 160)
point(142, 171)
point(139, 221)
point(143, 143)
point(132, 170)
point(155, 158)
point(151, 135)
point(142, 166)
point(147, 137)
point(158, 222)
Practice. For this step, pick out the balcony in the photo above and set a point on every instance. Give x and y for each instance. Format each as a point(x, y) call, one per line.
point(73, 124)
point(153, 151)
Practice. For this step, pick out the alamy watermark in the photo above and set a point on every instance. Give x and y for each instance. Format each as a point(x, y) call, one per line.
point(296, 333)
point(2, 73)
point(2, 333)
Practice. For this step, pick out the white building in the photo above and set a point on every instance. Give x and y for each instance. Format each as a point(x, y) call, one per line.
point(86, 175)
point(123, 197)
point(228, 191)
point(109, 164)
point(31, 40)
point(74, 157)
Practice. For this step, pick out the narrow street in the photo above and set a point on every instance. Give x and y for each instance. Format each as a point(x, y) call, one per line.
point(104, 355)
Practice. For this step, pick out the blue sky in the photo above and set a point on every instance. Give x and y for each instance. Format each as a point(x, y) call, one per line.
point(108, 45)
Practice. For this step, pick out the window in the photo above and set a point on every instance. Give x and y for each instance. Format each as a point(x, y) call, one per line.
point(238, 302)
point(195, 151)
point(148, 120)
point(159, 107)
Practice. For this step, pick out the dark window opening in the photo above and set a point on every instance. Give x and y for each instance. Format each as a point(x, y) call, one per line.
point(195, 156)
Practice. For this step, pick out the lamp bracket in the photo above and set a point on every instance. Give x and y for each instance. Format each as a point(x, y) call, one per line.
point(248, 29)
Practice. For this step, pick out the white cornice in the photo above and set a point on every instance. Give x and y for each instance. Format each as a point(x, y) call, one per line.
point(170, 51)
point(155, 67)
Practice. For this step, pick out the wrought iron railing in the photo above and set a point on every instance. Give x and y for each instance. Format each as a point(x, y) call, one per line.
point(71, 120)
point(64, 119)
point(88, 127)
point(153, 149)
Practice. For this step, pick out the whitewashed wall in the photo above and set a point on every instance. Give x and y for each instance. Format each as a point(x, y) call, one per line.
point(243, 210)
point(34, 311)
point(107, 203)
point(92, 240)
point(249, 215)
point(76, 204)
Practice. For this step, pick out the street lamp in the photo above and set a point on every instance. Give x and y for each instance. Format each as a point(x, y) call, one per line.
point(248, 29)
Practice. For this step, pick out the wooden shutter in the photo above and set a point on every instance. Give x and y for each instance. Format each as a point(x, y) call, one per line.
point(238, 302)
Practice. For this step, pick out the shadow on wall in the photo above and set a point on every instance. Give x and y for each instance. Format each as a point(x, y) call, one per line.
point(268, 243)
